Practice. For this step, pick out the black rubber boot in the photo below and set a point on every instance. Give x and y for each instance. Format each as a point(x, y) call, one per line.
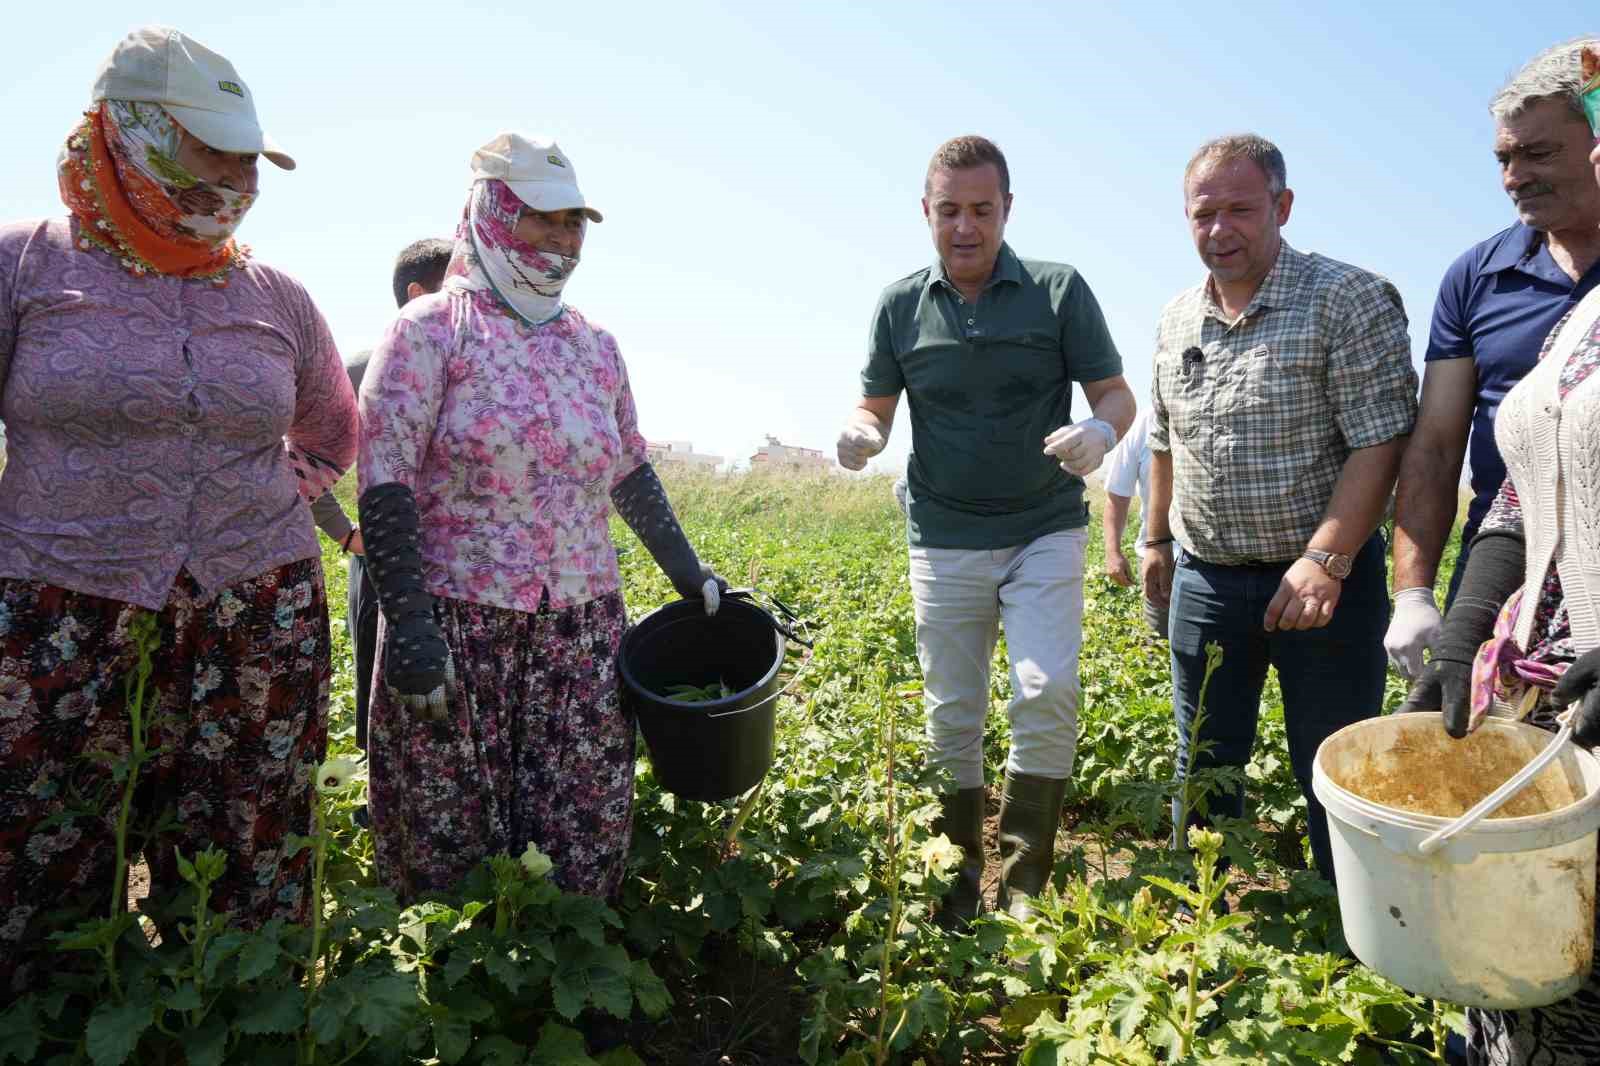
point(1030, 812)
point(961, 819)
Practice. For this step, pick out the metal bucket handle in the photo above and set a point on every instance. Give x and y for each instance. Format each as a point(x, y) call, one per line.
point(765, 598)
point(806, 642)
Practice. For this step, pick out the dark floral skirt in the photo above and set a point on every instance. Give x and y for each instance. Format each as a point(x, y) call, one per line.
point(238, 697)
point(536, 749)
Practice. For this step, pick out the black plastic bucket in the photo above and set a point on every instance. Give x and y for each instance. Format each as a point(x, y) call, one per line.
point(719, 748)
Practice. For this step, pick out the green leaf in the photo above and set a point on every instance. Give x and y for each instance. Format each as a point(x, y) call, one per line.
point(586, 974)
point(206, 1044)
point(114, 1031)
point(619, 1056)
point(498, 1050)
point(507, 970)
point(648, 989)
point(184, 997)
point(273, 1010)
point(19, 1032)
point(452, 1037)
point(385, 1006)
point(260, 953)
point(221, 949)
point(560, 1046)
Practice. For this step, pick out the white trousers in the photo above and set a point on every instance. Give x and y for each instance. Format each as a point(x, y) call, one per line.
point(962, 598)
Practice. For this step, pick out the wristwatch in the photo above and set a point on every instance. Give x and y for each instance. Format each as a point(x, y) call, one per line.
point(1337, 566)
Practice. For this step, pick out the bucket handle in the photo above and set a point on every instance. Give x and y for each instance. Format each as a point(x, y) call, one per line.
point(794, 620)
point(805, 642)
point(1492, 802)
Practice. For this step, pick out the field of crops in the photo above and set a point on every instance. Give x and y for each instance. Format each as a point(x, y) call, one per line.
point(802, 933)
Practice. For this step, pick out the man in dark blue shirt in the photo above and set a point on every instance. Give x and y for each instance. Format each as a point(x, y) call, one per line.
point(1496, 305)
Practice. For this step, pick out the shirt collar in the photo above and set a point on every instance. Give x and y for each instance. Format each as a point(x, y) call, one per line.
point(1277, 289)
point(1521, 244)
point(1007, 268)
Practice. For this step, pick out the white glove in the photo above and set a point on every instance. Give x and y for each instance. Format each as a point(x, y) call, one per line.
point(858, 443)
point(1080, 447)
point(1412, 630)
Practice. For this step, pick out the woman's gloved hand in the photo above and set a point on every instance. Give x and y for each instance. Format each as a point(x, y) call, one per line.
point(1444, 685)
point(417, 667)
point(642, 502)
point(1581, 685)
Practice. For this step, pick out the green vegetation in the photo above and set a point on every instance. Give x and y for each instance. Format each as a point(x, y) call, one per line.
point(803, 933)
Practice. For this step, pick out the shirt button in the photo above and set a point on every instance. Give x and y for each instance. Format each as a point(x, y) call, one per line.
point(969, 321)
point(187, 431)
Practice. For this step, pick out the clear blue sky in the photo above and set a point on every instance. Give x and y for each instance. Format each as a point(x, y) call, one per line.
point(760, 165)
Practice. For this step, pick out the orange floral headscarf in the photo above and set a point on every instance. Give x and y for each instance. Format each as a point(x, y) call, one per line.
point(124, 209)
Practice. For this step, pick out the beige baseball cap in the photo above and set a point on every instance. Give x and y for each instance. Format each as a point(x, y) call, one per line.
point(199, 88)
point(536, 170)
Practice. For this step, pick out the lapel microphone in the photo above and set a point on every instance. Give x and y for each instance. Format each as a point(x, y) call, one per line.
point(1192, 357)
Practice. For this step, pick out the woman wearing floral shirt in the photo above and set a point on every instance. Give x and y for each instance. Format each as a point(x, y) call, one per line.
point(170, 404)
point(497, 429)
point(1524, 629)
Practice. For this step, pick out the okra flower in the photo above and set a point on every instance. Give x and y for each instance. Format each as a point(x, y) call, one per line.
point(939, 854)
point(536, 862)
point(336, 775)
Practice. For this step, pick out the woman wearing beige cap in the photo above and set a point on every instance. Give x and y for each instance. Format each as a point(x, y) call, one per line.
point(497, 429)
point(170, 404)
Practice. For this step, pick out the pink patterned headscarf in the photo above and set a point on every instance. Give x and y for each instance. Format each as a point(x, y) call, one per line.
point(489, 257)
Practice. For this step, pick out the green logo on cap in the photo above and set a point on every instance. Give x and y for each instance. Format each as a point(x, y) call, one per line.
point(555, 159)
point(231, 87)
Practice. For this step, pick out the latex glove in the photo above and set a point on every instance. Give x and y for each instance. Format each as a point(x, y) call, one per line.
point(1444, 685)
point(859, 442)
point(1412, 630)
point(1581, 685)
point(417, 668)
point(1080, 447)
point(705, 585)
point(1118, 570)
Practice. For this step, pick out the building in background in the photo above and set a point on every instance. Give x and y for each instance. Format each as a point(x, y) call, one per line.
point(680, 453)
point(775, 455)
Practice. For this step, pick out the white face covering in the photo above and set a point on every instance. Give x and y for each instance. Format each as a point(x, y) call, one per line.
point(490, 256)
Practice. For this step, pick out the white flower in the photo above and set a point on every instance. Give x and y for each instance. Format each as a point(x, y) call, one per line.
point(336, 775)
point(536, 862)
point(939, 854)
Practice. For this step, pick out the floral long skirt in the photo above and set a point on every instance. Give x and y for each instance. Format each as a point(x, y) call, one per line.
point(238, 696)
point(535, 749)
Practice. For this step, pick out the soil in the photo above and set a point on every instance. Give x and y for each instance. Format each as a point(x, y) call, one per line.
point(1427, 772)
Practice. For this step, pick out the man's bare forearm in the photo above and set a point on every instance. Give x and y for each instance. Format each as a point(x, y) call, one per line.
point(1425, 511)
point(1156, 526)
point(1359, 498)
point(1114, 521)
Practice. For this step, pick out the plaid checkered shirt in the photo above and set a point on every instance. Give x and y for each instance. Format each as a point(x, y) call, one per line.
point(1260, 413)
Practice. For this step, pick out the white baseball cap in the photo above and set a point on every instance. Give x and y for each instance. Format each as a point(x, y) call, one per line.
point(199, 88)
point(536, 170)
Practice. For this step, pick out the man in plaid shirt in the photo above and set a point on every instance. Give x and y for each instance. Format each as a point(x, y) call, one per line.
point(1283, 394)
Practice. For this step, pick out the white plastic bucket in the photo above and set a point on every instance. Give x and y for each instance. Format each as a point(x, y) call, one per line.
point(1503, 915)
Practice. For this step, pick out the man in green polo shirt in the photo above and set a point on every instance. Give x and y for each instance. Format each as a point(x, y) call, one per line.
point(987, 346)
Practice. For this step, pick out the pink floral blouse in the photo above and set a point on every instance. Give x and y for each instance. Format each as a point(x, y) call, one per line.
point(512, 437)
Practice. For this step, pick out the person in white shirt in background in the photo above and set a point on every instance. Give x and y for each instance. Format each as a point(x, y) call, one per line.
point(1127, 468)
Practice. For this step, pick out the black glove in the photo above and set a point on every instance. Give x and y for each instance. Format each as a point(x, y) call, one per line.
point(1444, 685)
point(417, 667)
point(1580, 683)
point(642, 502)
point(1494, 572)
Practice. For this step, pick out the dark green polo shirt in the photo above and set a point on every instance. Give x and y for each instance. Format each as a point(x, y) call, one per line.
point(986, 383)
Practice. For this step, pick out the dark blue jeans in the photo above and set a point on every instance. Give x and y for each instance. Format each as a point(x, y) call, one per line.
point(1330, 677)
